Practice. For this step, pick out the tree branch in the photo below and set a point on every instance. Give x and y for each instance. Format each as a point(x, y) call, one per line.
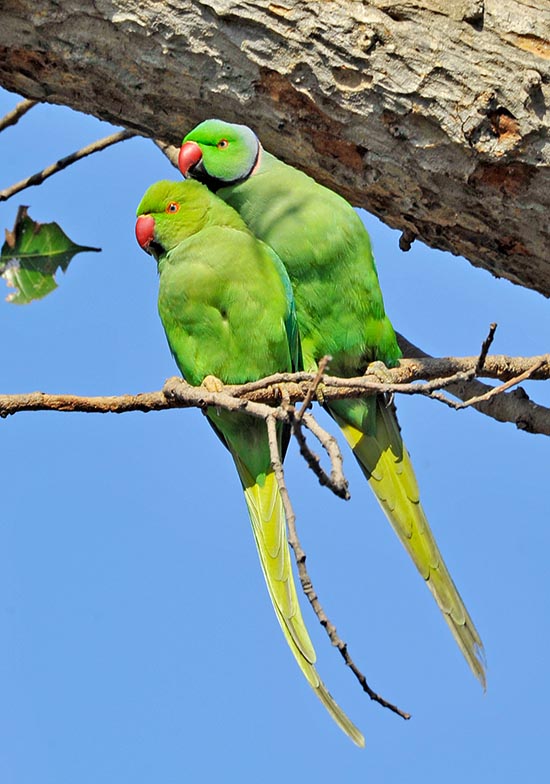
point(438, 146)
point(39, 177)
point(11, 118)
point(262, 399)
point(337, 482)
point(257, 397)
point(515, 407)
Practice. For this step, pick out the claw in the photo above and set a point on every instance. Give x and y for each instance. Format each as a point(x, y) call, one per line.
point(283, 393)
point(320, 394)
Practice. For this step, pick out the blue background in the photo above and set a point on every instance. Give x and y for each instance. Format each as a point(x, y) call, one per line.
point(137, 640)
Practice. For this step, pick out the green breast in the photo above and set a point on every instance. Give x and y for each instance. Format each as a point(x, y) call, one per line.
point(223, 307)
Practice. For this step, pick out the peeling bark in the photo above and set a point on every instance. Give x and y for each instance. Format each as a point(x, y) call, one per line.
point(430, 114)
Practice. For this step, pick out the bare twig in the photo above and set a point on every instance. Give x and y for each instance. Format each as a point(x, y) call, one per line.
point(305, 579)
point(503, 387)
point(39, 177)
point(14, 116)
point(514, 406)
point(337, 482)
point(485, 346)
point(312, 388)
point(277, 465)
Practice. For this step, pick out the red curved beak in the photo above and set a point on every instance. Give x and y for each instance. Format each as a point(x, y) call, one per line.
point(190, 154)
point(145, 230)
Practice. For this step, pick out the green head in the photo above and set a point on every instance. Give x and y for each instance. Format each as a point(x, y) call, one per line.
point(219, 153)
point(170, 212)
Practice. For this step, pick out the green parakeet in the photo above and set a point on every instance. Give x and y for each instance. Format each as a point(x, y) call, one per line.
point(327, 253)
point(226, 305)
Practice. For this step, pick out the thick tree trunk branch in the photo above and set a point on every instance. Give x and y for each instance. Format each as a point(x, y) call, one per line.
point(431, 114)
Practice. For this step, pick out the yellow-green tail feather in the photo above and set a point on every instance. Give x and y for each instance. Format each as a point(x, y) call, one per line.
point(387, 466)
point(268, 524)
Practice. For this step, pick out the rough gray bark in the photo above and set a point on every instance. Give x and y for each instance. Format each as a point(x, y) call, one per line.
point(431, 114)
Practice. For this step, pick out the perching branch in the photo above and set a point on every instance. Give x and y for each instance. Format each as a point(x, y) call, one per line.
point(515, 406)
point(456, 374)
point(271, 399)
point(305, 579)
point(39, 177)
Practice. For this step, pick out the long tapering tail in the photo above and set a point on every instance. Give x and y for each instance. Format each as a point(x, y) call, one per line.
point(385, 462)
point(269, 526)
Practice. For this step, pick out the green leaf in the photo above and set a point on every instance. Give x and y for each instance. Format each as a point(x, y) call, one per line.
point(32, 254)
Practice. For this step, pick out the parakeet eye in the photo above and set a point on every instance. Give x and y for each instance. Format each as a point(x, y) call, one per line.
point(222, 144)
point(172, 207)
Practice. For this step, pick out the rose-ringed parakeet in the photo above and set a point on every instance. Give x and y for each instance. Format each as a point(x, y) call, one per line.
point(327, 253)
point(226, 305)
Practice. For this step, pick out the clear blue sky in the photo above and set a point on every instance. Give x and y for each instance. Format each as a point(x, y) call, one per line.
point(137, 641)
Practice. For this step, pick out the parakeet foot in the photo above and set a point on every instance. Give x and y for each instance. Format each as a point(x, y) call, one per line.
point(212, 384)
point(320, 393)
point(379, 371)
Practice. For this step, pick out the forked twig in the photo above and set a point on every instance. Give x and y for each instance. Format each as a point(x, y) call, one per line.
point(337, 482)
point(305, 579)
point(503, 387)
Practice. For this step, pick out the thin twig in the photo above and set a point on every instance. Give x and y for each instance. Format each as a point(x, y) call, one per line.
point(515, 406)
point(337, 482)
point(485, 346)
point(313, 388)
point(39, 177)
point(277, 465)
point(502, 388)
point(305, 579)
point(14, 116)
point(338, 487)
point(442, 398)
